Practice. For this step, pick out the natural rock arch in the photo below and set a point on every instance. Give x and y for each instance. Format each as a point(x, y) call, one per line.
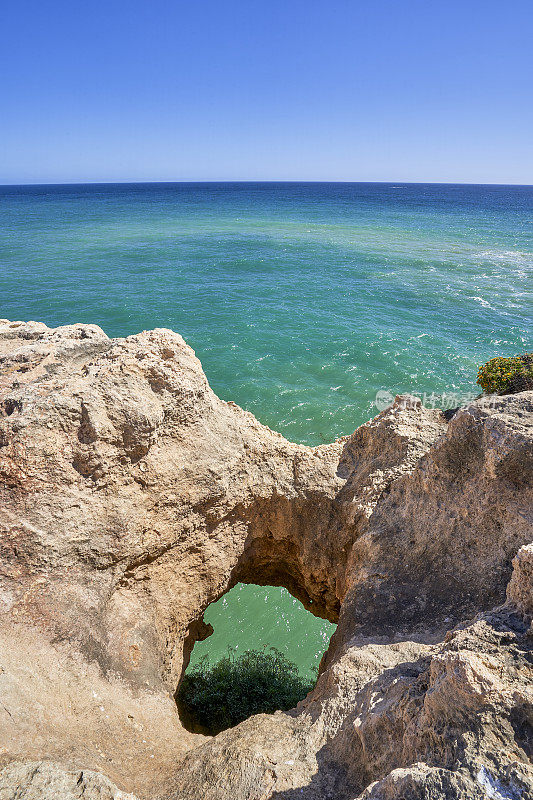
point(131, 497)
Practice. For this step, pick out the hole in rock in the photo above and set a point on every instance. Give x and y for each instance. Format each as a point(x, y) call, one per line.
point(262, 656)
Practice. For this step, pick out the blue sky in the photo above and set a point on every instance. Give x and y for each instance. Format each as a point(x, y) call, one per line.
point(402, 90)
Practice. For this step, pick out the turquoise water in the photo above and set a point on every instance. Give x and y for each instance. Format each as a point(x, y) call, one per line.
point(256, 617)
point(301, 300)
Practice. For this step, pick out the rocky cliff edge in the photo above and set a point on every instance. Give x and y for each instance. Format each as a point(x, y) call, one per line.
point(131, 497)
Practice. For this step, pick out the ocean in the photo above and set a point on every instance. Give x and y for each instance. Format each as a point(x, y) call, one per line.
point(302, 300)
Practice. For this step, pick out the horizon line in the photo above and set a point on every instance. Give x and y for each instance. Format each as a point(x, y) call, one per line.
point(257, 181)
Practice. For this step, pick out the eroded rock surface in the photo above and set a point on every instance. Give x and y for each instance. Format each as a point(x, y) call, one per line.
point(49, 781)
point(131, 497)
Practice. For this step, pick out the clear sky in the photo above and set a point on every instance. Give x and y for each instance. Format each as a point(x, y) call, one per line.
point(141, 90)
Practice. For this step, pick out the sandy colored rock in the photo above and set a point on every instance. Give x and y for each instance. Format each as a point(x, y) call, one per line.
point(520, 589)
point(131, 497)
point(49, 781)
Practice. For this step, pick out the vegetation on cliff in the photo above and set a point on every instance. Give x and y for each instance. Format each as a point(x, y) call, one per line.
point(507, 375)
point(213, 697)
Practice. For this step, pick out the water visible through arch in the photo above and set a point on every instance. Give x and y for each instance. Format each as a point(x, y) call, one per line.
point(252, 617)
point(252, 620)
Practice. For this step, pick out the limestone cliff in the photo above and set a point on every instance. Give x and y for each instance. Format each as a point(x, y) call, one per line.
point(131, 497)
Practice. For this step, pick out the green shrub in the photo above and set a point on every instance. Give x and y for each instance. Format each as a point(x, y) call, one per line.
point(214, 697)
point(507, 375)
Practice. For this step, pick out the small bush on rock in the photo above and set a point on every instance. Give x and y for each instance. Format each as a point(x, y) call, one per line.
point(214, 697)
point(507, 375)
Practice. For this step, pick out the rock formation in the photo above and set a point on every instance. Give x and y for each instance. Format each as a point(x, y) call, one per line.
point(131, 497)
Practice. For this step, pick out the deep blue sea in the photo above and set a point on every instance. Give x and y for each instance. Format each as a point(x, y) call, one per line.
point(302, 300)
